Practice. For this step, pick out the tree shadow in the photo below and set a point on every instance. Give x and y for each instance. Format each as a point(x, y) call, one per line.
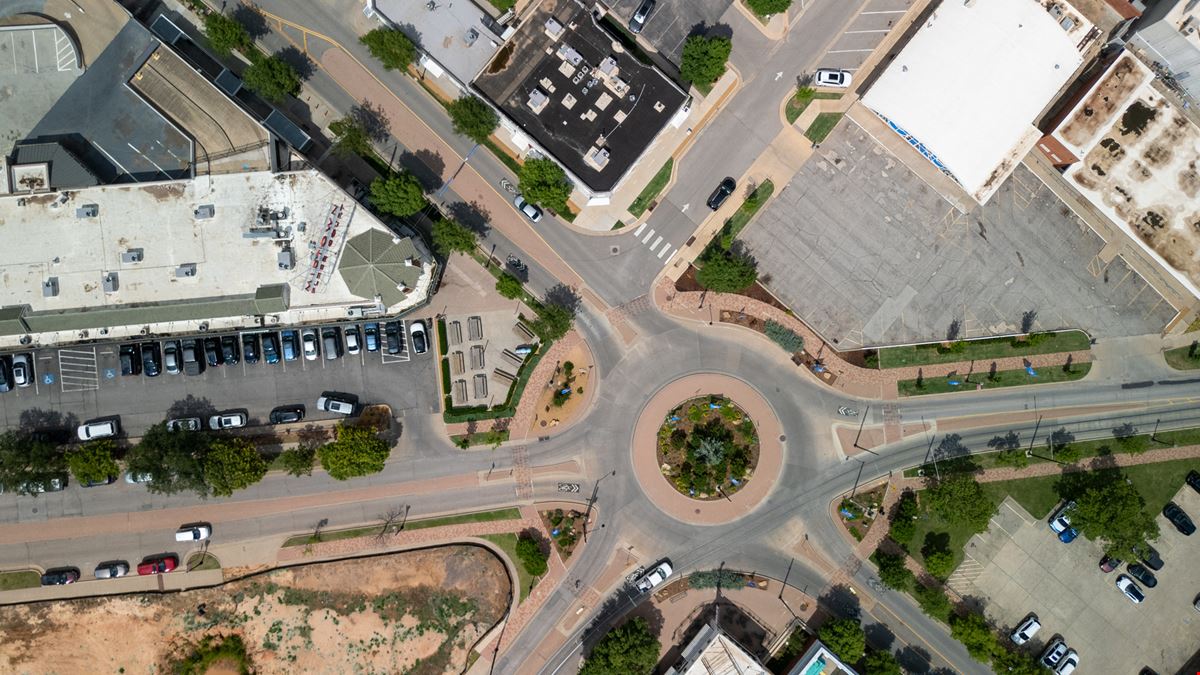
point(954, 331)
point(192, 407)
point(935, 542)
point(564, 296)
point(1009, 441)
point(49, 423)
point(954, 456)
point(715, 30)
point(298, 60)
point(426, 166)
point(250, 18)
point(840, 601)
point(312, 435)
point(372, 120)
point(973, 604)
point(1074, 484)
point(1027, 320)
point(472, 216)
point(913, 659)
point(879, 637)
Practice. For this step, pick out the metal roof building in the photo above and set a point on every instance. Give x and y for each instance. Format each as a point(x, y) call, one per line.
point(376, 264)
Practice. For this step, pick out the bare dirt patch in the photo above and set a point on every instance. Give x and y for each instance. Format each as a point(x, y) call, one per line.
point(416, 612)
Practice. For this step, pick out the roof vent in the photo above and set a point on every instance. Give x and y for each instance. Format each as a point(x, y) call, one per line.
point(50, 288)
point(87, 211)
point(111, 283)
point(203, 212)
point(185, 270)
point(133, 255)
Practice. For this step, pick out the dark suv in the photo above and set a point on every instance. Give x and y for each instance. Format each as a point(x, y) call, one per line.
point(229, 349)
point(151, 359)
point(250, 347)
point(131, 360)
point(718, 197)
point(60, 576)
point(212, 351)
point(1179, 519)
point(1193, 479)
point(286, 414)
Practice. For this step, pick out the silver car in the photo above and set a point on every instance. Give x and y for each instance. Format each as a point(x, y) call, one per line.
point(111, 569)
point(22, 369)
point(532, 212)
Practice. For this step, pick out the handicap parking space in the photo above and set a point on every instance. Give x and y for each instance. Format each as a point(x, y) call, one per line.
point(76, 383)
point(1018, 566)
point(863, 35)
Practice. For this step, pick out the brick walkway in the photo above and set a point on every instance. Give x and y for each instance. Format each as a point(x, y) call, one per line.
point(855, 380)
point(522, 421)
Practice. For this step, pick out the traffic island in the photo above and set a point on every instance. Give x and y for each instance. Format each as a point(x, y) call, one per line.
point(673, 470)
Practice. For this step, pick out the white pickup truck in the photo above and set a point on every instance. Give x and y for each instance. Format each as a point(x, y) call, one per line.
point(654, 577)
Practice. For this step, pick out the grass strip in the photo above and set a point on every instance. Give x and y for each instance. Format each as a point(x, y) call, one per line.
point(481, 438)
point(1183, 358)
point(202, 561)
point(508, 543)
point(11, 581)
point(1003, 378)
point(798, 104)
point(352, 532)
point(820, 128)
point(987, 348)
point(652, 189)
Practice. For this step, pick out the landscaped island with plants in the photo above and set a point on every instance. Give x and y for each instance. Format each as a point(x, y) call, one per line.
point(708, 447)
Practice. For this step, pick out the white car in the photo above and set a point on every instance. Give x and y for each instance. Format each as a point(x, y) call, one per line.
point(1028, 628)
point(231, 419)
point(829, 77)
point(22, 370)
point(1054, 653)
point(137, 478)
point(416, 335)
point(335, 405)
point(194, 532)
point(311, 349)
point(185, 424)
point(353, 346)
point(1068, 664)
point(1130, 589)
point(654, 577)
point(533, 213)
point(89, 431)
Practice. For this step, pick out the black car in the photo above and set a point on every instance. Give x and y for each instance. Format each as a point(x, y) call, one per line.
point(1193, 479)
point(391, 331)
point(286, 414)
point(151, 359)
point(638, 20)
point(270, 347)
point(59, 576)
point(131, 360)
point(1179, 519)
point(212, 351)
point(1149, 556)
point(229, 349)
point(6, 376)
point(718, 197)
point(250, 347)
point(1139, 572)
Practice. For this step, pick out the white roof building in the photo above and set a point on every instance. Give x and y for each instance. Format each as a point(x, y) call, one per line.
point(712, 652)
point(966, 90)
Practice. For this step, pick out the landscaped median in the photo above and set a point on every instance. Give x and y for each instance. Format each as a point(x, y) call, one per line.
point(955, 351)
point(922, 386)
point(369, 530)
point(1184, 358)
point(652, 189)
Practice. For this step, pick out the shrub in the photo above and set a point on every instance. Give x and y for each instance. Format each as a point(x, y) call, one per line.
point(298, 461)
point(727, 273)
point(768, 7)
point(711, 451)
point(933, 601)
point(272, 78)
point(904, 528)
point(509, 286)
point(716, 579)
point(892, 570)
point(784, 337)
point(704, 58)
point(530, 554)
point(393, 48)
point(225, 34)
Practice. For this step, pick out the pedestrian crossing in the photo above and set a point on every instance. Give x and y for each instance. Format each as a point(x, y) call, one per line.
point(665, 253)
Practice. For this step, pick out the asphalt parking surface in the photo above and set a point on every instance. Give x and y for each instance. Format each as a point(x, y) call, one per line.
point(1018, 566)
point(80, 382)
point(672, 21)
point(865, 33)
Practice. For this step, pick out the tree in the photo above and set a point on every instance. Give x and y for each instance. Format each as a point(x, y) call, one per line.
point(174, 460)
point(26, 458)
point(933, 601)
point(509, 286)
point(473, 118)
point(892, 571)
point(704, 59)
point(393, 48)
point(882, 662)
point(974, 633)
point(93, 462)
point(272, 78)
point(727, 273)
point(553, 321)
point(233, 464)
point(1115, 514)
point(298, 461)
point(349, 137)
point(543, 181)
point(904, 526)
point(450, 236)
point(1016, 663)
point(399, 195)
point(531, 556)
point(959, 499)
point(356, 452)
point(940, 564)
point(845, 638)
point(769, 7)
point(631, 649)
point(225, 34)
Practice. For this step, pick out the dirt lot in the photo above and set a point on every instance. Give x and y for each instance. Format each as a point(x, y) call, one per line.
point(414, 612)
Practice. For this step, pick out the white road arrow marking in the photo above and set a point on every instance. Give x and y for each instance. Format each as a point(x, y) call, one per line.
point(684, 208)
point(778, 75)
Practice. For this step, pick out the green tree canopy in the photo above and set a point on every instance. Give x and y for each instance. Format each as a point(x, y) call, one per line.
point(704, 59)
point(225, 33)
point(399, 195)
point(450, 236)
point(940, 564)
point(349, 137)
point(974, 633)
point(629, 650)
point(845, 638)
point(1016, 663)
point(727, 273)
point(174, 460)
point(233, 464)
point(93, 462)
point(904, 527)
point(553, 321)
point(509, 286)
point(272, 78)
point(393, 48)
point(882, 662)
point(769, 7)
point(356, 452)
point(473, 118)
point(892, 570)
point(959, 499)
point(1115, 514)
point(933, 601)
point(531, 555)
point(543, 181)
point(25, 458)
point(298, 461)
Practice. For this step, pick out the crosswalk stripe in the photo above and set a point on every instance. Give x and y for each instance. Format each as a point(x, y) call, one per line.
point(651, 234)
point(641, 227)
point(656, 243)
point(663, 251)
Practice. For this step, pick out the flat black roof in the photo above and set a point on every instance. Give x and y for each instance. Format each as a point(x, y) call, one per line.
point(584, 108)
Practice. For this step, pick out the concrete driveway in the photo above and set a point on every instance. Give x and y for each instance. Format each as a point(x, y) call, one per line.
point(1018, 566)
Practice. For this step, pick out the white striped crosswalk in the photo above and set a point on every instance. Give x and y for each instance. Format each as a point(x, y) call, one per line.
point(77, 369)
point(661, 253)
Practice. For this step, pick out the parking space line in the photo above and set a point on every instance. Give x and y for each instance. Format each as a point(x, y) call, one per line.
point(885, 11)
point(856, 32)
point(849, 51)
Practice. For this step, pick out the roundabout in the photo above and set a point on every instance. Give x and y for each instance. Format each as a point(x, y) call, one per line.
point(710, 399)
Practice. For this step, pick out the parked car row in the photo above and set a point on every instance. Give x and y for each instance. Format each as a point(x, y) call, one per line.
point(1057, 656)
point(154, 564)
point(16, 370)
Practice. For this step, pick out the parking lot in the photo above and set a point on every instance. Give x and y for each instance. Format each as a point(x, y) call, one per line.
point(865, 33)
point(1018, 566)
point(75, 383)
point(672, 21)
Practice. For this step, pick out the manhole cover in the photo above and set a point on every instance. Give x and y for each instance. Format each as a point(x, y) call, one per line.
point(615, 249)
point(697, 510)
point(782, 438)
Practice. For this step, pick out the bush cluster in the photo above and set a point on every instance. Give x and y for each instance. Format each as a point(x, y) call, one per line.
point(784, 337)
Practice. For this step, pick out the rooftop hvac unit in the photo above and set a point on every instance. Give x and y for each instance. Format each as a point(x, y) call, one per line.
point(50, 288)
point(87, 211)
point(133, 255)
point(185, 270)
point(286, 260)
point(203, 212)
point(111, 282)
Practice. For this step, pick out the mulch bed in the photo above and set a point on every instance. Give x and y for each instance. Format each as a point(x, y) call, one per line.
point(865, 509)
point(569, 524)
point(687, 283)
point(675, 451)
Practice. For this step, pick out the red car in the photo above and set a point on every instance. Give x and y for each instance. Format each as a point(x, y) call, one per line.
point(159, 564)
